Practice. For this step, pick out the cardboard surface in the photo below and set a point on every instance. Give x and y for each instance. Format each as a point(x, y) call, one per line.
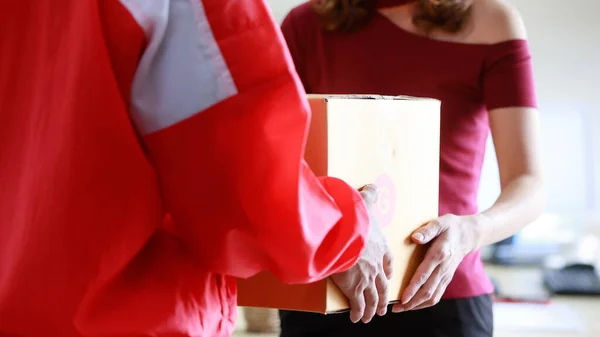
point(393, 142)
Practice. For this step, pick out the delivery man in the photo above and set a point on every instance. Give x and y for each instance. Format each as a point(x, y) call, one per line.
point(114, 114)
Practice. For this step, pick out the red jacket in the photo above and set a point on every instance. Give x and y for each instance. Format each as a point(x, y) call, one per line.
point(114, 114)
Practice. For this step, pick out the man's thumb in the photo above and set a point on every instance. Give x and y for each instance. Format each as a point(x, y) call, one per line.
point(370, 194)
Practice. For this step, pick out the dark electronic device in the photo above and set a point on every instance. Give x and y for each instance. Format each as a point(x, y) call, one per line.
point(573, 279)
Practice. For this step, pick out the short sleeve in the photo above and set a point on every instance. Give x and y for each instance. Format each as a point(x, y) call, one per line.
point(508, 79)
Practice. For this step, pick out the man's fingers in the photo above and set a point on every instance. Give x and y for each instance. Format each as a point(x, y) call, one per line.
point(371, 301)
point(388, 265)
point(383, 293)
point(370, 194)
point(357, 307)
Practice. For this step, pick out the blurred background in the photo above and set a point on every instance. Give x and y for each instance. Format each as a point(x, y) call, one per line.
point(545, 274)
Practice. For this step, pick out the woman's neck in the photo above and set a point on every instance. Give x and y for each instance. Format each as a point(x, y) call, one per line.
point(392, 3)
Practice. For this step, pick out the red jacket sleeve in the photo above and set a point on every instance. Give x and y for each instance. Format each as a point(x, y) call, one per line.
point(224, 120)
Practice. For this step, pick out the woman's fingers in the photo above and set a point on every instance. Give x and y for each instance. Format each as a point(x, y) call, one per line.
point(430, 231)
point(435, 299)
point(425, 293)
point(431, 261)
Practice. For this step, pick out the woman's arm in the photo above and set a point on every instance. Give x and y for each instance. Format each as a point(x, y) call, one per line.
point(509, 95)
point(509, 92)
point(516, 139)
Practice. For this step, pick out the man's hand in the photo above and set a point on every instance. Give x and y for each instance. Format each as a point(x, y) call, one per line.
point(366, 283)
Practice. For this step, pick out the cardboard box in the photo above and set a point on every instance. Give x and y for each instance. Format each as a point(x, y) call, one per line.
point(393, 142)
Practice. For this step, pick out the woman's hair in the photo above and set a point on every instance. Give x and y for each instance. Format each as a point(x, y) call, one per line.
point(349, 15)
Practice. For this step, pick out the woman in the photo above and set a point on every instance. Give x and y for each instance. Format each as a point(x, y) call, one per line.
point(473, 56)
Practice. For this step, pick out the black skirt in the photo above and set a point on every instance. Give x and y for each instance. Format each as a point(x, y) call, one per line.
point(468, 317)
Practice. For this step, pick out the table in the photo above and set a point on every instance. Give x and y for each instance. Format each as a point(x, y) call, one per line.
point(528, 281)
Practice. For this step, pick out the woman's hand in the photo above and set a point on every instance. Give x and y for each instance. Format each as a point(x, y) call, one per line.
point(452, 238)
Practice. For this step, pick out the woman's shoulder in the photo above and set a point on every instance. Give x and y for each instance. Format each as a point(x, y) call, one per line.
point(304, 9)
point(303, 14)
point(496, 21)
point(301, 23)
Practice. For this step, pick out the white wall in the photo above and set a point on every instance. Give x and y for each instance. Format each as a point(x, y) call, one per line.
point(565, 42)
point(281, 7)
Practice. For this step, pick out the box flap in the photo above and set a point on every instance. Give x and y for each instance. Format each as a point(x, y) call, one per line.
point(371, 96)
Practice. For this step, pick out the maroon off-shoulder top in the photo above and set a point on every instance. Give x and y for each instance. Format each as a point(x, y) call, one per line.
point(469, 79)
